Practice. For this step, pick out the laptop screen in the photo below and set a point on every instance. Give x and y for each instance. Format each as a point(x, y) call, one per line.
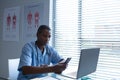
point(87, 63)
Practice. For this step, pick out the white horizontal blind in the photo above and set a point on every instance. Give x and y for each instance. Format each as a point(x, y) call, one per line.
point(101, 28)
point(67, 33)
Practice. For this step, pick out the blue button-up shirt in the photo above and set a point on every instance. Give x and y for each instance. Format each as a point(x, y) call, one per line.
point(32, 56)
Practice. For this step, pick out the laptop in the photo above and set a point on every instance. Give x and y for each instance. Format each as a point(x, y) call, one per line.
point(87, 64)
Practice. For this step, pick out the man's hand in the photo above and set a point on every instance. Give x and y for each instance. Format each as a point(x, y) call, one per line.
point(58, 68)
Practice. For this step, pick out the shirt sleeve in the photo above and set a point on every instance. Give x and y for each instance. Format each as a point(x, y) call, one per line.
point(55, 57)
point(25, 59)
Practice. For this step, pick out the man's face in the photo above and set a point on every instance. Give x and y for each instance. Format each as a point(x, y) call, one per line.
point(44, 37)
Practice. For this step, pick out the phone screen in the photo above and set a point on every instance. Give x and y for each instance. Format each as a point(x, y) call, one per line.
point(67, 60)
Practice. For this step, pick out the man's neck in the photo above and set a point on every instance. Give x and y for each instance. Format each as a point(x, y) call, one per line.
point(41, 47)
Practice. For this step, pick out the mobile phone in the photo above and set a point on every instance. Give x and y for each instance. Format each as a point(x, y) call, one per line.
point(67, 60)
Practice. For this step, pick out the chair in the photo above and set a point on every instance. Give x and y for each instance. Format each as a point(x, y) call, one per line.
point(13, 66)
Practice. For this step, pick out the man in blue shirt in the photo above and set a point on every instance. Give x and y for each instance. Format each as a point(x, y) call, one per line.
point(37, 56)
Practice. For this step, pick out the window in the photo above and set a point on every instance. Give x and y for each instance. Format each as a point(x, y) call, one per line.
point(89, 23)
point(101, 27)
point(66, 27)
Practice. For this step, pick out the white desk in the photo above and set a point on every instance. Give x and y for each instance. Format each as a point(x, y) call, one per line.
point(58, 77)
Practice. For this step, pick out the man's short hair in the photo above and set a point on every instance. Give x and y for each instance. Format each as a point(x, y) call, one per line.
point(43, 27)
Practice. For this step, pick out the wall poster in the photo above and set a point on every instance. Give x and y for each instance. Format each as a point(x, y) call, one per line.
point(33, 18)
point(11, 24)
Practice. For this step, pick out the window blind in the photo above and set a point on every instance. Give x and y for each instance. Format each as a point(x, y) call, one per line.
point(85, 24)
point(101, 28)
point(67, 32)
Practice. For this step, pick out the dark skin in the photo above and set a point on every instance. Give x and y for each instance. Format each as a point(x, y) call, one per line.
point(42, 39)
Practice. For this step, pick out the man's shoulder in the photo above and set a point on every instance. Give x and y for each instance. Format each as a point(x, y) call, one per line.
point(30, 44)
point(49, 46)
point(50, 50)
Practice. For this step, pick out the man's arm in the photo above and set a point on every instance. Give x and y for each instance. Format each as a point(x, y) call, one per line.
point(58, 68)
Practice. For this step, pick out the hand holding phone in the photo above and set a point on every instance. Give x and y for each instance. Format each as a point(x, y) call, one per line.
point(67, 60)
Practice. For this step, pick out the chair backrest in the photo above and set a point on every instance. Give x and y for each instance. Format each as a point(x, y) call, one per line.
point(13, 66)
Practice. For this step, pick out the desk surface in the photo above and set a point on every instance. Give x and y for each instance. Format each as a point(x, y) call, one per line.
point(59, 77)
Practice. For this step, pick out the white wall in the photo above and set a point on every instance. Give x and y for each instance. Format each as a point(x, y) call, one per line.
point(11, 49)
